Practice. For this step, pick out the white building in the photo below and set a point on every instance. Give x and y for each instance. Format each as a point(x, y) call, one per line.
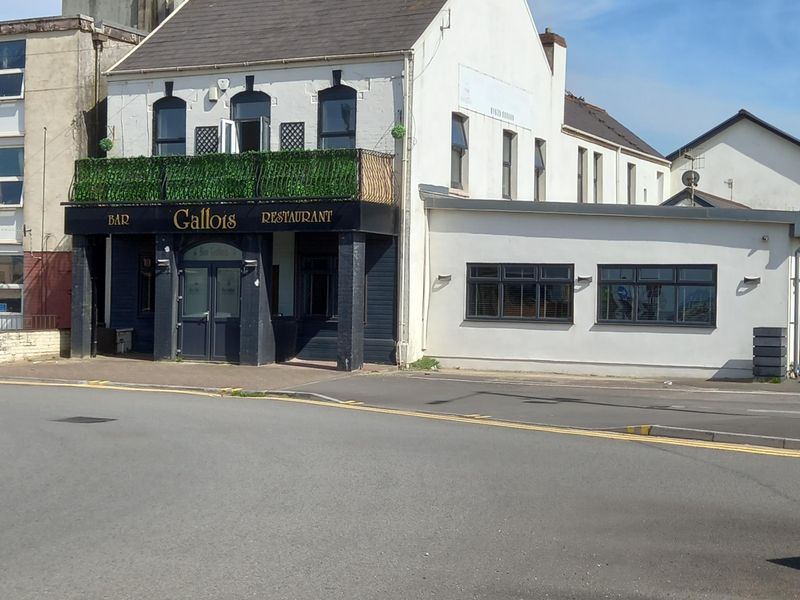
point(477, 269)
point(744, 160)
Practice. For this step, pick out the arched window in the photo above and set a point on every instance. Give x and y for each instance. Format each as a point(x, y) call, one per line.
point(169, 129)
point(337, 117)
point(251, 113)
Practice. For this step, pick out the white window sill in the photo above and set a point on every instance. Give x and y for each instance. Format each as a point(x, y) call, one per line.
point(458, 192)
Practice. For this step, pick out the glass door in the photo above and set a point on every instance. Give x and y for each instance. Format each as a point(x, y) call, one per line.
point(195, 312)
point(225, 309)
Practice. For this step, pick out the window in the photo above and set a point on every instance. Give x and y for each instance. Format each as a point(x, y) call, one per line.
point(11, 279)
point(520, 292)
point(582, 175)
point(539, 171)
point(320, 287)
point(11, 172)
point(631, 183)
point(169, 131)
point(147, 284)
point(509, 150)
point(458, 158)
point(684, 295)
point(660, 185)
point(250, 111)
point(597, 178)
point(12, 69)
point(337, 117)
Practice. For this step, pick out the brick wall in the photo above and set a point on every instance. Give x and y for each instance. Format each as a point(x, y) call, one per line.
point(28, 345)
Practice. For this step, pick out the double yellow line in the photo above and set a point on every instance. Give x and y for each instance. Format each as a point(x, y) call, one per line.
point(476, 419)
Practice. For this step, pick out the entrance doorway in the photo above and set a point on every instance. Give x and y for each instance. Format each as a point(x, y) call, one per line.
point(210, 285)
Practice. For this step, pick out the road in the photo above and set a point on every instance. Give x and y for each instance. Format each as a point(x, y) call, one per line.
point(602, 404)
point(195, 497)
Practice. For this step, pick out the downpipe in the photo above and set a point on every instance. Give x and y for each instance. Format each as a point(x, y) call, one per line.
point(795, 370)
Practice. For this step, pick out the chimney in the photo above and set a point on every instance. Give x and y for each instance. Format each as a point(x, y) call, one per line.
point(549, 42)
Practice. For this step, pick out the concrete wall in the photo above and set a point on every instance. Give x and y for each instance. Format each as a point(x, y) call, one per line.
point(294, 99)
point(33, 345)
point(763, 166)
point(59, 96)
point(585, 347)
point(141, 14)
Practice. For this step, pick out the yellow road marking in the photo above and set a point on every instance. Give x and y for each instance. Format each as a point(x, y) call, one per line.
point(608, 435)
point(104, 386)
point(639, 429)
point(488, 422)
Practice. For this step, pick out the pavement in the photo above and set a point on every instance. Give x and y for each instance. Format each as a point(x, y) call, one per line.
point(183, 374)
point(736, 412)
point(186, 496)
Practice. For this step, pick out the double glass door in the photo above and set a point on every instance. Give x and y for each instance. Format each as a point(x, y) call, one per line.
point(210, 303)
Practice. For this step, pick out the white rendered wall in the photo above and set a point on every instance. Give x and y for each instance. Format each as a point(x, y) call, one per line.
point(460, 237)
point(765, 168)
point(500, 40)
point(564, 182)
point(294, 98)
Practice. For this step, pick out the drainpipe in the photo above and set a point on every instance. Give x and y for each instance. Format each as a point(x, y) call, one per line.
point(405, 207)
point(795, 340)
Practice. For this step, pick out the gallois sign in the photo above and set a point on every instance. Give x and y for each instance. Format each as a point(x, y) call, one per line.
point(203, 220)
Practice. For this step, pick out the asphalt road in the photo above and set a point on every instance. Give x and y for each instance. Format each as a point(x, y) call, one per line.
point(187, 497)
point(602, 404)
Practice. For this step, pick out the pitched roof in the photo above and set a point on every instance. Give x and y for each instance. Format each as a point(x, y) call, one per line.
point(594, 120)
point(223, 32)
point(741, 115)
point(702, 199)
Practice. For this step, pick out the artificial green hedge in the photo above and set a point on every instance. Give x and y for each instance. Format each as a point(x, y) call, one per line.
point(300, 175)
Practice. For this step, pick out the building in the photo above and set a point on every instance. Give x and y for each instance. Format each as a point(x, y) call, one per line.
point(412, 181)
point(51, 113)
point(143, 15)
point(743, 160)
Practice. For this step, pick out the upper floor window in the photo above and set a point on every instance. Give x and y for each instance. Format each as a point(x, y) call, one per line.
point(458, 158)
point(597, 177)
point(539, 170)
point(631, 183)
point(11, 175)
point(251, 112)
point(12, 68)
point(582, 175)
point(509, 150)
point(169, 132)
point(337, 117)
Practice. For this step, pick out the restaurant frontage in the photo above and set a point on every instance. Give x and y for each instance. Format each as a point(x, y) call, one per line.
point(250, 281)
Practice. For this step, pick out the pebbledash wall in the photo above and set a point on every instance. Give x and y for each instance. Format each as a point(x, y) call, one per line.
point(493, 232)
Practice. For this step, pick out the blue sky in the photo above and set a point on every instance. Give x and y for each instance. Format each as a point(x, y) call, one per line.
point(667, 69)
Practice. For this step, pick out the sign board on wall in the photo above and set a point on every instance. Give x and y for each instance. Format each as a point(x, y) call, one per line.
point(488, 96)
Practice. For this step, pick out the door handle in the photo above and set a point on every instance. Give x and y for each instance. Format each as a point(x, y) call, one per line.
point(205, 316)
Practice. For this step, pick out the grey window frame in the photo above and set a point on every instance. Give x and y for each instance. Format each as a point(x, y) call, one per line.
point(509, 143)
point(582, 158)
point(539, 171)
point(676, 282)
point(597, 177)
point(460, 150)
point(501, 279)
point(336, 93)
point(165, 102)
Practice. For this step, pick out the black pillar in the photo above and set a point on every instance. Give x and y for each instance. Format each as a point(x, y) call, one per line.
point(165, 317)
point(350, 340)
point(81, 338)
point(256, 339)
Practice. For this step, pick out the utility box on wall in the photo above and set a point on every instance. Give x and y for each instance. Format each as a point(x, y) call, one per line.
point(769, 352)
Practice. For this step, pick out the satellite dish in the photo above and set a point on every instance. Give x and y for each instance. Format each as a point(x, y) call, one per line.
point(690, 178)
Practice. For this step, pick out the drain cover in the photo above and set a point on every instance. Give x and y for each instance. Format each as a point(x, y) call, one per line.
point(84, 420)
